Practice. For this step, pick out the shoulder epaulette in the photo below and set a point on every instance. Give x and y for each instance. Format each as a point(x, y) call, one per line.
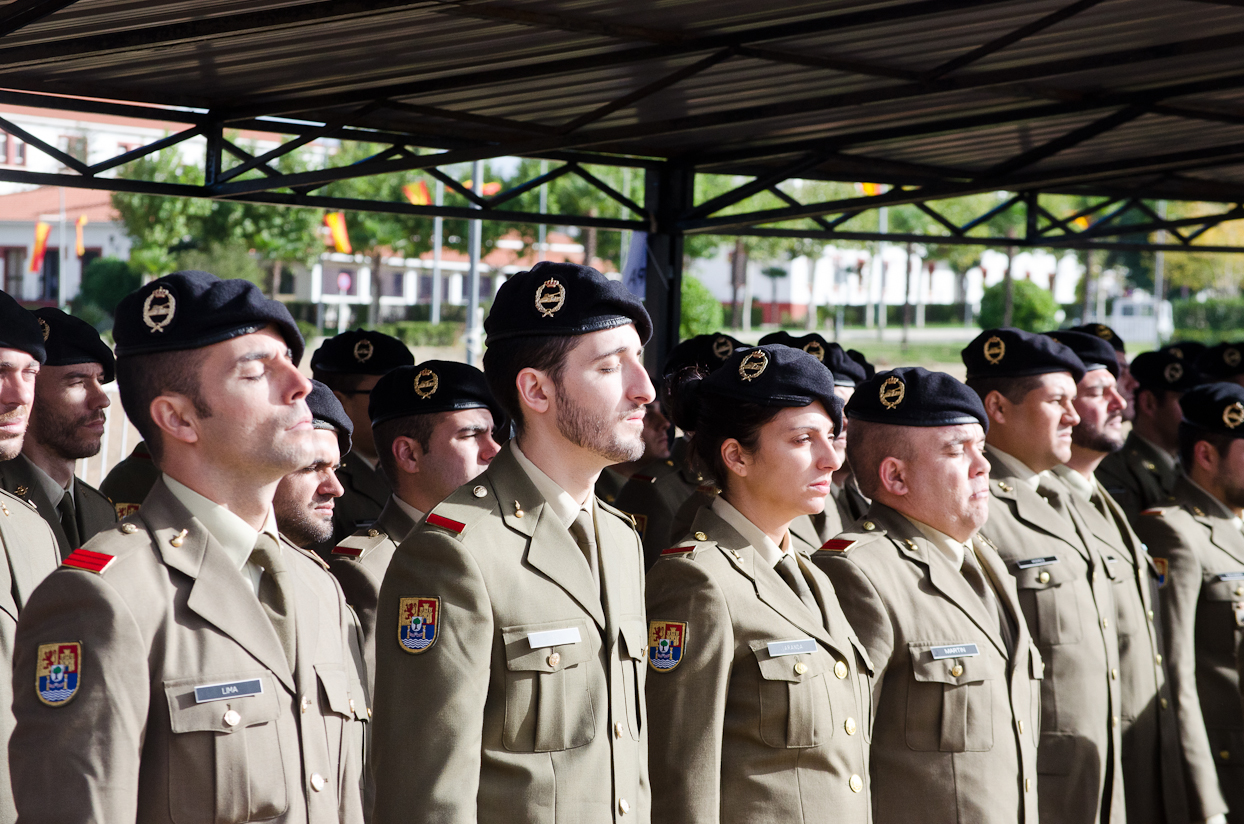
point(313, 557)
point(453, 526)
point(352, 546)
point(838, 544)
point(1154, 510)
point(89, 560)
point(678, 550)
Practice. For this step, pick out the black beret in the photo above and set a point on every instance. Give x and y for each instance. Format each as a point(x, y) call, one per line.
point(1226, 360)
point(326, 410)
point(846, 371)
point(1014, 353)
point(1104, 332)
point(361, 352)
point(563, 299)
point(69, 340)
point(430, 387)
point(914, 396)
point(1093, 352)
point(21, 330)
point(1215, 407)
point(774, 375)
point(708, 352)
point(1163, 372)
point(190, 310)
point(1186, 350)
point(858, 356)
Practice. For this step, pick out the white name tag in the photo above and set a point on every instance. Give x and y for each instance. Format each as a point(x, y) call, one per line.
point(233, 689)
point(777, 648)
point(956, 651)
point(1029, 563)
point(553, 637)
point(1231, 576)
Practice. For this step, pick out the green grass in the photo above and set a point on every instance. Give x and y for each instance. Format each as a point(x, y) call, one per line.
point(942, 357)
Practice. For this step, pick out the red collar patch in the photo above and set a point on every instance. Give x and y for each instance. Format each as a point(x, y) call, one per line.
point(95, 562)
point(440, 520)
point(678, 550)
point(352, 551)
point(837, 545)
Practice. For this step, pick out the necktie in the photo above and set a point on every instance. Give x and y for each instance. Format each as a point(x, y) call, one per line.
point(69, 520)
point(274, 593)
point(788, 568)
point(584, 532)
point(976, 579)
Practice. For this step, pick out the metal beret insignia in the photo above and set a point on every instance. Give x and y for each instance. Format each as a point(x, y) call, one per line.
point(418, 623)
point(426, 384)
point(1233, 415)
point(815, 349)
point(43, 326)
point(363, 350)
point(667, 641)
point(892, 392)
point(722, 347)
point(159, 309)
point(1173, 372)
point(994, 350)
point(1231, 356)
point(753, 364)
point(550, 297)
point(58, 669)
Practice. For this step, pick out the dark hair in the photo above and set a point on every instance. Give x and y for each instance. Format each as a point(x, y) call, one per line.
point(503, 362)
point(1190, 434)
point(340, 381)
point(417, 427)
point(712, 424)
point(143, 378)
point(1014, 389)
point(1159, 395)
point(870, 444)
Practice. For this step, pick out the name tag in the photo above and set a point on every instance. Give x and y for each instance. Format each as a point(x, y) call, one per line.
point(1029, 563)
point(233, 689)
point(777, 648)
point(1231, 576)
point(956, 651)
point(553, 637)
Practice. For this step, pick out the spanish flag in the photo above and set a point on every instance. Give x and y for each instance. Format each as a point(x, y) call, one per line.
point(871, 189)
point(417, 193)
point(489, 189)
point(81, 249)
point(336, 223)
point(41, 245)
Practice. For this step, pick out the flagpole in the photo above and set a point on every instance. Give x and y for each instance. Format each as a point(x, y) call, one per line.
point(475, 230)
point(63, 263)
point(438, 226)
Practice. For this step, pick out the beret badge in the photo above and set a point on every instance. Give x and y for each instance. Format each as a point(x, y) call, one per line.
point(363, 350)
point(892, 392)
point(1231, 357)
point(1177, 352)
point(995, 350)
point(1103, 331)
point(1233, 415)
point(158, 315)
point(426, 384)
point(550, 297)
point(722, 347)
point(815, 349)
point(753, 365)
point(43, 326)
point(1173, 372)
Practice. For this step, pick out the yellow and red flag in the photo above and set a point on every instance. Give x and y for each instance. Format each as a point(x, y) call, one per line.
point(489, 189)
point(336, 223)
point(1082, 222)
point(417, 193)
point(81, 248)
point(41, 245)
point(871, 189)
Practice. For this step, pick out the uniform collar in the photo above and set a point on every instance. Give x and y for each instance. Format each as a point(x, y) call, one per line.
point(948, 546)
point(1079, 485)
point(557, 499)
point(234, 535)
point(1223, 511)
point(47, 484)
point(1016, 467)
point(754, 535)
point(364, 461)
point(415, 515)
point(1160, 455)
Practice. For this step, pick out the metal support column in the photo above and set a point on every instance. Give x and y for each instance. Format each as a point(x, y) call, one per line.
point(669, 193)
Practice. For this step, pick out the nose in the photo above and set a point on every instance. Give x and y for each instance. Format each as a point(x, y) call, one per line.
point(1116, 400)
point(298, 385)
point(1070, 416)
point(331, 485)
point(828, 457)
point(641, 389)
point(979, 465)
point(488, 449)
point(99, 398)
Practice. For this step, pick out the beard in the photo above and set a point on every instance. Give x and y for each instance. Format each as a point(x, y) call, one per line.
point(61, 434)
point(11, 444)
point(300, 523)
point(597, 434)
point(1095, 440)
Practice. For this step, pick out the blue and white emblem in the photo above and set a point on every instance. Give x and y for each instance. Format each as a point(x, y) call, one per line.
point(666, 643)
point(58, 669)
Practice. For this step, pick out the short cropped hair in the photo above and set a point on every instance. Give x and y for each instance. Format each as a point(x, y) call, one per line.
point(868, 444)
point(340, 381)
point(143, 378)
point(504, 361)
point(1190, 434)
point(1014, 389)
point(419, 428)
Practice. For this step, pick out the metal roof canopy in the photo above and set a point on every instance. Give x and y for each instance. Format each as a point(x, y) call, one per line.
point(1122, 100)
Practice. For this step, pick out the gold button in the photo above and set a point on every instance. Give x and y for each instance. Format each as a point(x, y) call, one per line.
point(1043, 577)
point(956, 670)
point(1027, 785)
point(306, 704)
point(129, 529)
point(869, 526)
point(479, 492)
point(800, 667)
point(700, 536)
point(555, 659)
point(1149, 465)
point(1158, 658)
point(623, 806)
point(1225, 755)
point(1094, 576)
point(1004, 486)
point(317, 782)
point(840, 669)
point(1114, 674)
point(1164, 703)
point(1104, 623)
point(857, 784)
point(1239, 590)
point(1021, 727)
point(369, 712)
point(849, 725)
point(232, 718)
point(373, 533)
point(1149, 614)
point(352, 706)
point(617, 730)
point(1114, 720)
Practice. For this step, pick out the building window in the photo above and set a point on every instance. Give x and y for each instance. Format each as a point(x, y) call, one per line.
point(285, 285)
point(14, 268)
point(49, 278)
point(12, 150)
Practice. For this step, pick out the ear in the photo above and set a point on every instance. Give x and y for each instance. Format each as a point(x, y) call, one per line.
point(893, 476)
point(176, 417)
point(735, 457)
point(997, 407)
point(406, 454)
point(535, 390)
point(1145, 402)
point(1206, 456)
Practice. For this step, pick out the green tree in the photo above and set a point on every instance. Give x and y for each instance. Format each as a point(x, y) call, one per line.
point(230, 260)
point(158, 225)
point(104, 282)
point(702, 314)
point(1033, 308)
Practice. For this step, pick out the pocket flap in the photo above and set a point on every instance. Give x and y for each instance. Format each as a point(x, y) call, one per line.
point(634, 637)
point(1043, 577)
point(868, 662)
point(519, 656)
point(1036, 666)
point(782, 667)
point(1217, 589)
point(342, 693)
point(925, 667)
point(188, 714)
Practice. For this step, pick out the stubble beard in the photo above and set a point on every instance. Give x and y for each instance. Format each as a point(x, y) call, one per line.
point(11, 444)
point(57, 434)
point(598, 435)
point(305, 528)
point(1095, 440)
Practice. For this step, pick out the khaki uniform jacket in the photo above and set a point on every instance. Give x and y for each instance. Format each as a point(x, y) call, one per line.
point(489, 722)
point(609, 485)
point(740, 734)
point(1202, 595)
point(1072, 617)
point(31, 555)
point(95, 512)
point(359, 563)
point(129, 482)
point(852, 505)
point(136, 742)
point(1152, 755)
point(957, 733)
point(1137, 476)
point(655, 494)
point(805, 536)
point(366, 493)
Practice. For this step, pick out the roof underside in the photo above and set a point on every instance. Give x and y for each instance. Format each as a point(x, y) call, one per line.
point(1144, 97)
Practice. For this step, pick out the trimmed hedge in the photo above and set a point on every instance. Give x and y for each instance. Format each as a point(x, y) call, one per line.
point(422, 333)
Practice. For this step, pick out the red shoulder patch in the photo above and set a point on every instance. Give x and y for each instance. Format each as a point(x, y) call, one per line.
point(95, 562)
point(446, 523)
point(1154, 511)
point(837, 544)
point(351, 551)
point(678, 550)
point(707, 489)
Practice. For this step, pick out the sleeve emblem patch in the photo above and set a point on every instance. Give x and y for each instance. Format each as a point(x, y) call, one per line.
point(57, 671)
point(666, 642)
point(125, 510)
point(1163, 566)
point(418, 623)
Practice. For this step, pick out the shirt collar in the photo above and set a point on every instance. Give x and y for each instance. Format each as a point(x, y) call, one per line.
point(1168, 461)
point(1016, 467)
point(415, 515)
point(1223, 511)
point(948, 546)
point(754, 535)
point(1077, 483)
point(557, 499)
point(234, 535)
point(48, 484)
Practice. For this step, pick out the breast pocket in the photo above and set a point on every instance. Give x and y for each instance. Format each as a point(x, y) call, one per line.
point(950, 702)
point(634, 649)
point(224, 756)
point(1218, 617)
point(1047, 595)
point(549, 705)
point(796, 709)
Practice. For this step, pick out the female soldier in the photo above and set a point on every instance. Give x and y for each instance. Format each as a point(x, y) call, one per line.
point(759, 699)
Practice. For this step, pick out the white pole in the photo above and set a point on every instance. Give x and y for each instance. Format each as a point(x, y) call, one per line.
point(64, 255)
point(438, 227)
point(475, 230)
point(544, 207)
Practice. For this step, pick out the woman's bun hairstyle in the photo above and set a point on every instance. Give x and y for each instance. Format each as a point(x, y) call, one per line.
point(681, 397)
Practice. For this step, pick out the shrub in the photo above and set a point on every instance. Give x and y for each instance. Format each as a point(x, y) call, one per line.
point(701, 312)
point(422, 333)
point(104, 283)
point(1032, 308)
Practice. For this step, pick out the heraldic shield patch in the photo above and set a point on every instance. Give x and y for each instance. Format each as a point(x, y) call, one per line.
point(58, 669)
point(666, 642)
point(418, 620)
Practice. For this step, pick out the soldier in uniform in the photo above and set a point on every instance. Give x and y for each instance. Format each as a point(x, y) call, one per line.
point(758, 701)
point(1143, 473)
point(350, 364)
point(1186, 350)
point(1027, 384)
point(304, 498)
point(1197, 542)
point(433, 426)
point(511, 628)
point(655, 494)
point(30, 550)
point(958, 679)
point(67, 423)
point(1152, 756)
point(189, 665)
point(1126, 383)
point(1222, 362)
point(656, 451)
point(128, 483)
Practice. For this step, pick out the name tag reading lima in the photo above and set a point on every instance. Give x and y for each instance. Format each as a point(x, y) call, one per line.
point(777, 648)
point(553, 637)
point(233, 689)
point(956, 651)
